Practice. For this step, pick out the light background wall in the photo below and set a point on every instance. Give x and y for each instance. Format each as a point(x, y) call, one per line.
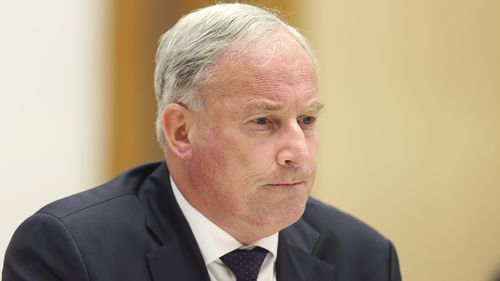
point(410, 138)
point(53, 104)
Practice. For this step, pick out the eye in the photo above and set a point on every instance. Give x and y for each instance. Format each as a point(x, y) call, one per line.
point(307, 120)
point(262, 121)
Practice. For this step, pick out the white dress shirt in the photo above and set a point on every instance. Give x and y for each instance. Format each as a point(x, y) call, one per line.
point(214, 242)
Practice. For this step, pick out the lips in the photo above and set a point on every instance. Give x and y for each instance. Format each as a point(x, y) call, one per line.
point(287, 184)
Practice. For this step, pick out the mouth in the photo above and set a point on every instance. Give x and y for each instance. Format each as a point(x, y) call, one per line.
point(287, 184)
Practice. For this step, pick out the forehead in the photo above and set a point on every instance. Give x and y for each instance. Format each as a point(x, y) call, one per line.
point(275, 68)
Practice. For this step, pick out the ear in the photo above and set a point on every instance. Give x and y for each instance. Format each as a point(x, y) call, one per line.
point(177, 121)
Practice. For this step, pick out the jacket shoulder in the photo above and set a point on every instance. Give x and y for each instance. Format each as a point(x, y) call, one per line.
point(357, 251)
point(124, 185)
point(38, 246)
point(344, 228)
point(87, 236)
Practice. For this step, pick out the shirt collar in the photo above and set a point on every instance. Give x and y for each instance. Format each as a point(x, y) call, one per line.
point(205, 230)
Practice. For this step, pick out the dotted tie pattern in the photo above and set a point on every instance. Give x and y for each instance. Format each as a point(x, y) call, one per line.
point(245, 264)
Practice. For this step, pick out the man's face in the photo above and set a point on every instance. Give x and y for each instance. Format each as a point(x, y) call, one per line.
point(254, 148)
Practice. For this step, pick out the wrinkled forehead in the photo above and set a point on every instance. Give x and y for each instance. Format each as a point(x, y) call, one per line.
point(276, 60)
point(276, 49)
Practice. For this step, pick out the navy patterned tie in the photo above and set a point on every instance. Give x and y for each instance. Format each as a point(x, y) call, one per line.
point(245, 264)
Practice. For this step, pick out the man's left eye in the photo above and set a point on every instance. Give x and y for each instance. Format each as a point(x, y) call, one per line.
point(307, 120)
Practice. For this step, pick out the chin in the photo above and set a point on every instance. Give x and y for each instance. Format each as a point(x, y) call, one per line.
point(294, 215)
point(275, 211)
point(288, 214)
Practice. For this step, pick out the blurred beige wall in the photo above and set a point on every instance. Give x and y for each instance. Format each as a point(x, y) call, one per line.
point(410, 138)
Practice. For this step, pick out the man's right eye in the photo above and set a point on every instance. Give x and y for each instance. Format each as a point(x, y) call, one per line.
point(262, 121)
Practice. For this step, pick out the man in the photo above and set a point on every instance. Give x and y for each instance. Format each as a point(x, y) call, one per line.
point(237, 104)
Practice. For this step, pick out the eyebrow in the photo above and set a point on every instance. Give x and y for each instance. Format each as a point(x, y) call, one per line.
point(262, 107)
point(268, 108)
point(316, 107)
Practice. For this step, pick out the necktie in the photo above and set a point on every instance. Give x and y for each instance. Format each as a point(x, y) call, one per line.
point(245, 264)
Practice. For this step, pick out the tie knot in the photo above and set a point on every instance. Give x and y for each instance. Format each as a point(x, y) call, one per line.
point(245, 264)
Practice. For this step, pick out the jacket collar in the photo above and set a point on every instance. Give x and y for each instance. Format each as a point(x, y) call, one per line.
point(296, 260)
point(168, 225)
point(164, 219)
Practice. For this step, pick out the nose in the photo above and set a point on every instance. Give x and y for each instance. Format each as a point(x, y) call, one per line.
point(293, 151)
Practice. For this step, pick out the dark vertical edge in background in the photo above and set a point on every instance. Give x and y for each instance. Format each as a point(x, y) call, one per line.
point(137, 26)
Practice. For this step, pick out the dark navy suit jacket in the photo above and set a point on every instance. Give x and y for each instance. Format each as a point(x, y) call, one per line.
point(131, 228)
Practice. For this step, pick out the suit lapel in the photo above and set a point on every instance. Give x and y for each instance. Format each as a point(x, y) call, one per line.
point(172, 262)
point(295, 261)
point(177, 256)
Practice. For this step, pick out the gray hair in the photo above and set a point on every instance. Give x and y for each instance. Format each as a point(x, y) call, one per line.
point(188, 50)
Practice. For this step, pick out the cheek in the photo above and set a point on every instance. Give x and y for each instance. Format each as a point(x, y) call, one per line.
point(313, 145)
point(249, 156)
point(224, 155)
point(231, 151)
point(218, 158)
point(209, 157)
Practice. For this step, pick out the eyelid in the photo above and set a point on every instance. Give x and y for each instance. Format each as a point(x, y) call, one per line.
point(308, 115)
point(253, 117)
point(254, 120)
